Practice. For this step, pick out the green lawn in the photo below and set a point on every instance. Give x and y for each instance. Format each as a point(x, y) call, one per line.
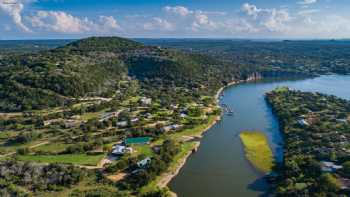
point(53, 147)
point(197, 130)
point(14, 147)
point(143, 149)
point(4, 135)
point(257, 150)
point(78, 159)
point(90, 115)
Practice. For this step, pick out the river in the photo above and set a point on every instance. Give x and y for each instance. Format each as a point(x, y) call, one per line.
point(219, 167)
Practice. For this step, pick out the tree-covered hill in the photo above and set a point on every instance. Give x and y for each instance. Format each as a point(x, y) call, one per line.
point(302, 57)
point(94, 67)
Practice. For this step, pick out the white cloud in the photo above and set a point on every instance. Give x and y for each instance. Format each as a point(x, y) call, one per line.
point(179, 10)
point(249, 21)
point(192, 20)
point(250, 10)
point(62, 22)
point(274, 20)
point(307, 2)
point(59, 21)
point(157, 23)
point(108, 23)
point(14, 10)
point(329, 26)
point(307, 12)
point(239, 25)
point(202, 21)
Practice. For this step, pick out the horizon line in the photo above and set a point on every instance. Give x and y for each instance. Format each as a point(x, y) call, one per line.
point(189, 38)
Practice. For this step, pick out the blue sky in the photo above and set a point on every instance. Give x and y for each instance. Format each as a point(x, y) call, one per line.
point(293, 19)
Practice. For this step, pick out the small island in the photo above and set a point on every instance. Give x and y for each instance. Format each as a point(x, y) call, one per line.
point(258, 151)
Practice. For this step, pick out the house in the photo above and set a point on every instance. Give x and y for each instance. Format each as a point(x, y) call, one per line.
point(146, 101)
point(345, 183)
point(134, 120)
point(148, 115)
point(121, 150)
point(71, 123)
point(108, 115)
point(327, 166)
point(176, 126)
point(137, 140)
point(171, 127)
point(144, 162)
point(166, 128)
point(303, 122)
point(342, 120)
point(122, 123)
point(174, 106)
point(53, 121)
point(183, 115)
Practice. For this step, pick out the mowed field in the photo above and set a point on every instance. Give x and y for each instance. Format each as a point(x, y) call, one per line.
point(77, 159)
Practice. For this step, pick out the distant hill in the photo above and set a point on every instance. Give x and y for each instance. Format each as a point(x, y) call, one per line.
point(300, 56)
point(95, 65)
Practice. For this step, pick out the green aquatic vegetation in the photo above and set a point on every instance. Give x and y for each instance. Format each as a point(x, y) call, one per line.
point(257, 150)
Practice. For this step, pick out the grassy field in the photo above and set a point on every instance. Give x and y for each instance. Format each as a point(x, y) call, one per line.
point(53, 147)
point(14, 147)
point(258, 151)
point(143, 149)
point(90, 115)
point(197, 130)
point(4, 135)
point(77, 159)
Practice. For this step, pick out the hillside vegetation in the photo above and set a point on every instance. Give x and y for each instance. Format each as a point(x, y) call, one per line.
point(95, 66)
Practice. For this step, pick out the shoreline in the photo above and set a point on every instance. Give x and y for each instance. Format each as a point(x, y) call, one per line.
point(166, 178)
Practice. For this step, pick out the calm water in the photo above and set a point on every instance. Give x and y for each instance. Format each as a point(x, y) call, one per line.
point(219, 168)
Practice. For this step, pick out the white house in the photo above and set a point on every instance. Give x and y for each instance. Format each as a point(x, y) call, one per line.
point(122, 123)
point(134, 120)
point(121, 150)
point(171, 127)
point(183, 115)
point(303, 122)
point(146, 101)
point(166, 128)
point(109, 115)
point(327, 166)
point(342, 120)
point(144, 162)
point(71, 123)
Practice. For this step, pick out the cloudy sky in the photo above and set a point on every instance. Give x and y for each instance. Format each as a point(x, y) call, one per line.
point(293, 19)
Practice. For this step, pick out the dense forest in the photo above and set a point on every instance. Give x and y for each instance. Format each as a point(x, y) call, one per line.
point(316, 152)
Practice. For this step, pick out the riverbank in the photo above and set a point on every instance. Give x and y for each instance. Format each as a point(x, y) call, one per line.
point(165, 178)
point(180, 162)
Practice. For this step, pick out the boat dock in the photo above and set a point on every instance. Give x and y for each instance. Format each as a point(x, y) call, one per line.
point(227, 109)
